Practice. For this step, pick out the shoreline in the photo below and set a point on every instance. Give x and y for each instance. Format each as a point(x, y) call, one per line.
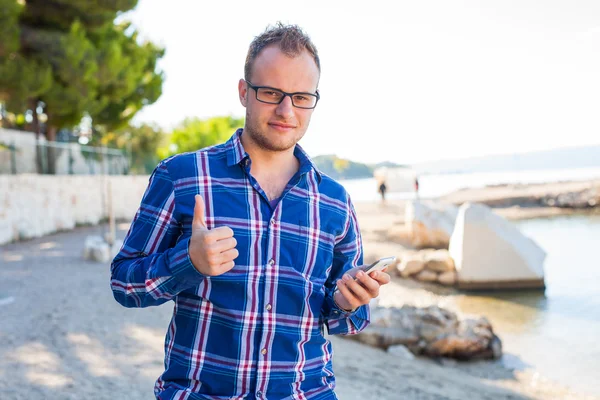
point(515, 201)
point(382, 226)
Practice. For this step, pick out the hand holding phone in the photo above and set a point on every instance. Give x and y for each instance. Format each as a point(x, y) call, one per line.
point(378, 265)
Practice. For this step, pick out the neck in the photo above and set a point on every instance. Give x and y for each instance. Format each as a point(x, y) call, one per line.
point(270, 162)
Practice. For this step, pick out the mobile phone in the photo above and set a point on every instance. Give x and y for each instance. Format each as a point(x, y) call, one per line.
point(376, 266)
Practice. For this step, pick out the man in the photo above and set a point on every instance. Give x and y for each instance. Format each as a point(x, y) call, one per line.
point(382, 189)
point(252, 243)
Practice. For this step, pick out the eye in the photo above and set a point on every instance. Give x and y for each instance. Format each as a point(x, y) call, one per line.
point(271, 93)
point(301, 98)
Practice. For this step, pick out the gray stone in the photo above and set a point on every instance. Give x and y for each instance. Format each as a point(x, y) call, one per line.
point(401, 351)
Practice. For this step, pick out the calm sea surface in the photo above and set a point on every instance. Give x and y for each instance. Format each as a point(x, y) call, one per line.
point(557, 332)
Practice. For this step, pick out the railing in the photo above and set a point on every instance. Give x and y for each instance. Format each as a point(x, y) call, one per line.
point(62, 159)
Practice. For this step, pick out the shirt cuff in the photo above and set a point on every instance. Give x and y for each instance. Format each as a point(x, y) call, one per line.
point(332, 310)
point(181, 264)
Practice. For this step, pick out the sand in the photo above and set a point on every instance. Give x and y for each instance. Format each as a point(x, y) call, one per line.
point(62, 335)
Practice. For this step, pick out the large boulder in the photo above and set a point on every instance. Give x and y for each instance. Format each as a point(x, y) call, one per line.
point(430, 224)
point(491, 253)
point(431, 331)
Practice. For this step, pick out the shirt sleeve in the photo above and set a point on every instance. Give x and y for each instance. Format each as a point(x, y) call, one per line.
point(153, 266)
point(347, 254)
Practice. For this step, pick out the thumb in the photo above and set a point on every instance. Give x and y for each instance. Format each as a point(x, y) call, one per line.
point(199, 220)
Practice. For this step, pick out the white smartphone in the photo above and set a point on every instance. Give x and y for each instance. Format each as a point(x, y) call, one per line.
point(376, 266)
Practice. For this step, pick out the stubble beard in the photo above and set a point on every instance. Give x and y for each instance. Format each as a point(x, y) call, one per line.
point(263, 141)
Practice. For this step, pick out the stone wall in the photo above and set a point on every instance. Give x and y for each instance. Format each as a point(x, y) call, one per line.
point(35, 205)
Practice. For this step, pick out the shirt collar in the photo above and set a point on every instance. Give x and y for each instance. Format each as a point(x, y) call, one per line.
point(237, 155)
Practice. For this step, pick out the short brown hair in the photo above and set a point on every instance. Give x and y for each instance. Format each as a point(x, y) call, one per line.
point(291, 39)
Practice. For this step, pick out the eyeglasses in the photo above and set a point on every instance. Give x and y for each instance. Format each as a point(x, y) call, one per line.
point(269, 95)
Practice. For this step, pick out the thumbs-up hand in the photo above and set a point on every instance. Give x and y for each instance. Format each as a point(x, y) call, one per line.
point(212, 251)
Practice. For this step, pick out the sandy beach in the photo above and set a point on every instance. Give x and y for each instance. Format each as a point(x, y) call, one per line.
point(62, 335)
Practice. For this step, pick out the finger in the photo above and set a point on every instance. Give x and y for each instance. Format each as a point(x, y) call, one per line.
point(381, 277)
point(224, 244)
point(369, 283)
point(222, 232)
point(358, 290)
point(348, 295)
point(226, 266)
point(229, 255)
point(199, 220)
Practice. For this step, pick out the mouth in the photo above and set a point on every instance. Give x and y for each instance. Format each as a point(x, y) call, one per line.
point(281, 127)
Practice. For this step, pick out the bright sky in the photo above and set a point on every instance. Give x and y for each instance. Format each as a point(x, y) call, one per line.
point(405, 81)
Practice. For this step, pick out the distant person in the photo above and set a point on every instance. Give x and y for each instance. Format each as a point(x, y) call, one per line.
point(417, 187)
point(382, 189)
point(252, 244)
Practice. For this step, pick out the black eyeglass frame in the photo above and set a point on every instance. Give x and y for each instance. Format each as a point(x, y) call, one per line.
point(317, 95)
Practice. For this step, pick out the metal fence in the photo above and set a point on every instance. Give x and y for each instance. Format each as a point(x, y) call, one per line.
point(61, 159)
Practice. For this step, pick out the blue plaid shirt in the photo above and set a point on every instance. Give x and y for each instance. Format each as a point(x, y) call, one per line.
point(256, 331)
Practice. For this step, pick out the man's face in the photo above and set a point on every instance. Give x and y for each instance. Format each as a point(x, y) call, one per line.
point(278, 127)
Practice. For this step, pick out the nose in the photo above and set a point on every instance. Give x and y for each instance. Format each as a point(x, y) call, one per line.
point(285, 108)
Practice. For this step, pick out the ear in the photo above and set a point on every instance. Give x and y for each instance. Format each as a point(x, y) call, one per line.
point(243, 92)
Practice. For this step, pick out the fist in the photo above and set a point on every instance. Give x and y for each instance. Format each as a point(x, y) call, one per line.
point(212, 251)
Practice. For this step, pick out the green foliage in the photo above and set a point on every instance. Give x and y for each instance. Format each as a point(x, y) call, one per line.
point(194, 134)
point(339, 168)
point(127, 74)
point(60, 14)
point(20, 77)
point(340, 165)
point(69, 55)
point(9, 29)
point(139, 142)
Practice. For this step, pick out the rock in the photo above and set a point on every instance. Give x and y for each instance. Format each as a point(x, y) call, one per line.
point(401, 351)
point(432, 331)
point(447, 278)
point(496, 347)
point(410, 265)
point(439, 261)
point(489, 252)
point(96, 249)
point(426, 276)
point(456, 346)
point(430, 224)
point(389, 327)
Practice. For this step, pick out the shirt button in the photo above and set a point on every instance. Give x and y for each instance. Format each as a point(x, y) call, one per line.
point(263, 351)
point(259, 394)
point(269, 307)
point(271, 262)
